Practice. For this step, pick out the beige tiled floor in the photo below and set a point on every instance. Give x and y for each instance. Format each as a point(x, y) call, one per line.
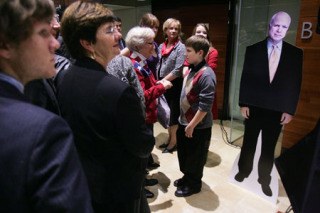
point(218, 194)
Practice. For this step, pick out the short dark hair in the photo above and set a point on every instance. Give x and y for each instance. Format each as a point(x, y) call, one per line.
point(117, 19)
point(17, 18)
point(198, 43)
point(81, 20)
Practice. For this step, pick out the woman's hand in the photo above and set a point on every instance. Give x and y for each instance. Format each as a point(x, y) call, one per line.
point(167, 84)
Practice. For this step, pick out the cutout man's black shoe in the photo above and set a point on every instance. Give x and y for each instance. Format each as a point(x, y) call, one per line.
point(266, 190)
point(239, 177)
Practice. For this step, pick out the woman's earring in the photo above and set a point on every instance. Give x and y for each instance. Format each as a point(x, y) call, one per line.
point(93, 56)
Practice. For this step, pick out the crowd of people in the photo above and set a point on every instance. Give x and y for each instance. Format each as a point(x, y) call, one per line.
point(92, 151)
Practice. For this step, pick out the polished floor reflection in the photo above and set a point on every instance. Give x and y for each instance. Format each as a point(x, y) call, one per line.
point(218, 194)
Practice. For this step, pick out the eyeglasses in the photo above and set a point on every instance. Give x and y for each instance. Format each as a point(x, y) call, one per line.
point(57, 17)
point(150, 43)
point(54, 23)
point(111, 30)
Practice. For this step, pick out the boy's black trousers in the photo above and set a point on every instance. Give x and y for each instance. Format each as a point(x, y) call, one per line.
point(192, 155)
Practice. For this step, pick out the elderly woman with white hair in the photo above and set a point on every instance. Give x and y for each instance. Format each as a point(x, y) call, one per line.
point(140, 41)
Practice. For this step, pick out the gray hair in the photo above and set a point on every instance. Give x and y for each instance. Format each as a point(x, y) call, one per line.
point(137, 36)
point(280, 13)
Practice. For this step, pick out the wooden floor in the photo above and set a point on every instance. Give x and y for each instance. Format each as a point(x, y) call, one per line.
point(218, 194)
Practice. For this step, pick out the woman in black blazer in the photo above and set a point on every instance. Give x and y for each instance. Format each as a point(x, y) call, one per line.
point(104, 113)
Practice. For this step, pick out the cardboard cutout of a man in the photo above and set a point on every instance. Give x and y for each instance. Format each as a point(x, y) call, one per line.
point(269, 93)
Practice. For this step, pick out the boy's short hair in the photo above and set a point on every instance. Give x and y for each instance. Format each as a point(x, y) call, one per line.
point(117, 19)
point(198, 43)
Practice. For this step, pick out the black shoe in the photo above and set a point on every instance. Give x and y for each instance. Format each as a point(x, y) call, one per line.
point(266, 190)
point(153, 165)
point(166, 150)
point(239, 177)
point(149, 194)
point(186, 191)
point(178, 183)
point(164, 145)
point(151, 182)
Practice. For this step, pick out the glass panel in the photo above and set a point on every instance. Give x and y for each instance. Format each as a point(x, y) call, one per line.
point(252, 19)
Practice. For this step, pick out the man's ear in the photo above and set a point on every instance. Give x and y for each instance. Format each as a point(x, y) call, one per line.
point(5, 50)
point(87, 45)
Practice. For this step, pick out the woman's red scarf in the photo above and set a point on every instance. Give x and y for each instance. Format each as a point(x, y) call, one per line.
point(166, 52)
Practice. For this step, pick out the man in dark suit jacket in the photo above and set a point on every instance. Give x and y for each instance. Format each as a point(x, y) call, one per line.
point(269, 94)
point(42, 92)
point(118, 25)
point(39, 167)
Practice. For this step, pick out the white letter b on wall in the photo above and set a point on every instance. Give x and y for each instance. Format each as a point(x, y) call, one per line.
point(306, 30)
